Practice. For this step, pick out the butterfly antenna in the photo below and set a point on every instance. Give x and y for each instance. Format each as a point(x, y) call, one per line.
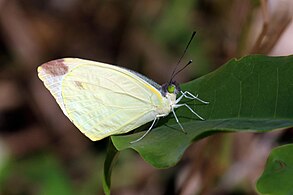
point(190, 61)
point(174, 71)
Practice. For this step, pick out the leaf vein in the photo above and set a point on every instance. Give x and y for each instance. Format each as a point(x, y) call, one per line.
point(277, 92)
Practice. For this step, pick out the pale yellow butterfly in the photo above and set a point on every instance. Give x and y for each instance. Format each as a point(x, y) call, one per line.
point(103, 100)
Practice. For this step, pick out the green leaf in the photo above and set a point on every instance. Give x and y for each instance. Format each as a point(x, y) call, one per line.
point(250, 94)
point(111, 158)
point(278, 174)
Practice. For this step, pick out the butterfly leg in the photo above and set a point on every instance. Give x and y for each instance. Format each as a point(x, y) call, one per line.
point(179, 105)
point(189, 95)
point(177, 120)
point(154, 121)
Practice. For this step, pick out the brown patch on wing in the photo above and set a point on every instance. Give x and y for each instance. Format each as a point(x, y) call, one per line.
point(79, 84)
point(55, 67)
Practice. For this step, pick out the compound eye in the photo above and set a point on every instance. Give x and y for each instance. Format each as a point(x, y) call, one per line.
point(171, 88)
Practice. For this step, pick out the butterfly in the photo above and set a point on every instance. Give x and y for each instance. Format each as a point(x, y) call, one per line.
point(103, 100)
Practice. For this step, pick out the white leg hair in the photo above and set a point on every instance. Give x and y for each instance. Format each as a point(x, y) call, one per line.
point(189, 95)
point(154, 121)
point(157, 118)
point(179, 105)
point(177, 119)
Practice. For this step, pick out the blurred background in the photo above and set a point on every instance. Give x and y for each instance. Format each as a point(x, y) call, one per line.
point(41, 152)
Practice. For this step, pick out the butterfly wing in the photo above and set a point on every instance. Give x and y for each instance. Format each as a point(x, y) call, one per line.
point(100, 99)
point(52, 74)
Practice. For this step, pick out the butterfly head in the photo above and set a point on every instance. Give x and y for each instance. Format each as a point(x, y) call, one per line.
point(170, 88)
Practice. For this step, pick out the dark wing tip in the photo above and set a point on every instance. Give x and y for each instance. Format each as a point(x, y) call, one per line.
point(55, 67)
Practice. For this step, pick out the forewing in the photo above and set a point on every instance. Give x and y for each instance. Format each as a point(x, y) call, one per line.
point(101, 99)
point(52, 74)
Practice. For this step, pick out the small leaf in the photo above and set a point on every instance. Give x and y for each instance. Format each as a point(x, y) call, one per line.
point(251, 94)
point(277, 178)
point(111, 158)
